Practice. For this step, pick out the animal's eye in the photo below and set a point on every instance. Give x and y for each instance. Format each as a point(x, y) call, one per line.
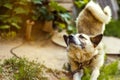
point(82, 37)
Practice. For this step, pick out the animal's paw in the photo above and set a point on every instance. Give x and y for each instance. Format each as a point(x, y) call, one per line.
point(81, 72)
point(78, 75)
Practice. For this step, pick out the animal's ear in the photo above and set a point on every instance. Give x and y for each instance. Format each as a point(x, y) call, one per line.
point(65, 39)
point(96, 40)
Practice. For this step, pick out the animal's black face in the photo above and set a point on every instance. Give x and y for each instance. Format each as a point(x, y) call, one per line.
point(82, 40)
point(75, 40)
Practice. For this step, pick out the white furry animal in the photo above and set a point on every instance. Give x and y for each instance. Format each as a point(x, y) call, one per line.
point(85, 51)
point(92, 19)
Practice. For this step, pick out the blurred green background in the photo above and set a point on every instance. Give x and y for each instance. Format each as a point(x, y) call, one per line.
point(113, 28)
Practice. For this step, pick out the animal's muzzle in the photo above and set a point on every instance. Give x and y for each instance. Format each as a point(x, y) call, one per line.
point(71, 39)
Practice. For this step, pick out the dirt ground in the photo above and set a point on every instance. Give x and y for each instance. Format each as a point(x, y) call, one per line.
point(46, 52)
point(112, 44)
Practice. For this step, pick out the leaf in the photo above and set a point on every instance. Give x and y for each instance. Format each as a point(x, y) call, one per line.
point(61, 25)
point(20, 10)
point(23, 2)
point(54, 5)
point(4, 16)
point(65, 17)
point(8, 5)
point(81, 3)
point(49, 17)
point(34, 17)
point(15, 25)
point(86, 1)
point(15, 19)
point(37, 1)
point(43, 11)
point(71, 29)
point(4, 27)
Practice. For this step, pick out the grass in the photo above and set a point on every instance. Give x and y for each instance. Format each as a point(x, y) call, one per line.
point(113, 28)
point(108, 72)
point(22, 69)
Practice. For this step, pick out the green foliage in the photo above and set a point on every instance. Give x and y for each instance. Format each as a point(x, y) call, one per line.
point(61, 17)
point(10, 11)
point(107, 72)
point(4, 27)
point(118, 1)
point(71, 29)
point(22, 69)
point(8, 35)
point(81, 3)
point(14, 13)
point(65, 17)
point(87, 74)
point(37, 1)
point(44, 10)
point(20, 10)
point(112, 29)
point(1, 70)
point(41, 10)
point(10, 17)
point(55, 7)
point(15, 25)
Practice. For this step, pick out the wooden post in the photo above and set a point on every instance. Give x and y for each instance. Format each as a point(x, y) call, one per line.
point(29, 25)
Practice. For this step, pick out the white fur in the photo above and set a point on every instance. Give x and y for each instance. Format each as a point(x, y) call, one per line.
point(107, 10)
point(77, 39)
point(78, 75)
point(96, 63)
point(102, 15)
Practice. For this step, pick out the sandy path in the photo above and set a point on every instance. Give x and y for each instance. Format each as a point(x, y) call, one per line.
point(46, 52)
point(112, 44)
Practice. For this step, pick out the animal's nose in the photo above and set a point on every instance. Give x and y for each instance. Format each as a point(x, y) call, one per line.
point(71, 39)
point(70, 36)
